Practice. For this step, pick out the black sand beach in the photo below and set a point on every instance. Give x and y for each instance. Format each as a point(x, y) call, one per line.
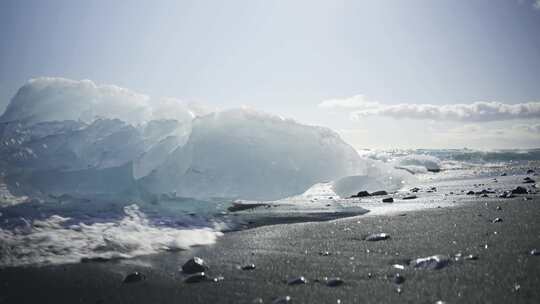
point(505, 271)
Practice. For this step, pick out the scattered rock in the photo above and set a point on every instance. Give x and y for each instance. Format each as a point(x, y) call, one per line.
point(410, 197)
point(297, 281)
point(378, 193)
point(134, 277)
point(506, 194)
point(528, 180)
point(282, 300)
point(497, 220)
point(431, 262)
point(388, 200)
point(398, 279)
point(415, 189)
point(519, 190)
point(194, 265)
point(197, 278)
point(248, 267)
point(361, 194)
point(334, 282)
point(377, 237)
point(218, 279)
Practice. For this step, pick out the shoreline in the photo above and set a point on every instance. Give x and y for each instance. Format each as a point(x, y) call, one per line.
point(503, 273)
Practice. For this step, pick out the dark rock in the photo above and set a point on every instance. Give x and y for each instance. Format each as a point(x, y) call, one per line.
point(324, 253)
point(410, 197)
point(497, 220)
point(334, 282)
point(248, 267)
point(503, 174)
point(377, 237)
point(134, 277)
point(530, 171)
point(361, 194)
point(398, 279)
point(499, 208)
point(506, 194)
point(519, 190)
point(528, 180)
point(197, 278)
point(282, 300)
point(484, 195)
point(415, 189)
point(377, 193)
point(297, 281)
point(194, 265)
point(471, 193)
point(388, 200)
point(534, 252)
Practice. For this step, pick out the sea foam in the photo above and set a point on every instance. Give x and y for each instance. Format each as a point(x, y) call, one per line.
point(53, 241)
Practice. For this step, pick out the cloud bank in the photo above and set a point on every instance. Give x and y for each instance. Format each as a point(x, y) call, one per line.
point(475, 112)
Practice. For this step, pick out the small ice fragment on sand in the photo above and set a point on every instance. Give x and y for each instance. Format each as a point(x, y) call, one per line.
point(432, 262)
point(377, 237)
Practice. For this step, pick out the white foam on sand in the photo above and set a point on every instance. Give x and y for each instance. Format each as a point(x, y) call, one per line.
point(51, 242)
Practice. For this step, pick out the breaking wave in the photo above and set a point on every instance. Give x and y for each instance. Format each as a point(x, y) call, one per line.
point(54, 241)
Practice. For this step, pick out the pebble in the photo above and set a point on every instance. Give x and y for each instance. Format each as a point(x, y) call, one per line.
point(194, 265)
point(410, 197)
point(324, 253)
point(218, 279)
point(432, 262)
point(248, 267)
point(519, 190)
point(196, 278)
point(534, 252)
point(334, 282)
point(398, 279)
point(388, 200)
point(297, 281)
point(134, 277)
point(497, 220)
point(377, 237)
point(499, 208)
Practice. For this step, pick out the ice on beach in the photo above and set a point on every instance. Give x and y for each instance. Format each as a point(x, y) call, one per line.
point(76, 132)
point(416, 163)
point(55, 241)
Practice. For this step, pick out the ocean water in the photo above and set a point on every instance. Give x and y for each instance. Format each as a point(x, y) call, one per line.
point(70, 229)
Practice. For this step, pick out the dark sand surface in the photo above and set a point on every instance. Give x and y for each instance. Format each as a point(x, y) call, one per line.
point(505, 272)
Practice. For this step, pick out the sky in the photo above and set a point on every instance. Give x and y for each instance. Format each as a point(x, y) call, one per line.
point(384, 74)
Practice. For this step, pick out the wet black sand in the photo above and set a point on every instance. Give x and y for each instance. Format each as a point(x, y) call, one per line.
point(503, 273)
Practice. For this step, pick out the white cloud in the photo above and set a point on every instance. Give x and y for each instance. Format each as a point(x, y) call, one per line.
point(474, 112)
point(536, 4)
